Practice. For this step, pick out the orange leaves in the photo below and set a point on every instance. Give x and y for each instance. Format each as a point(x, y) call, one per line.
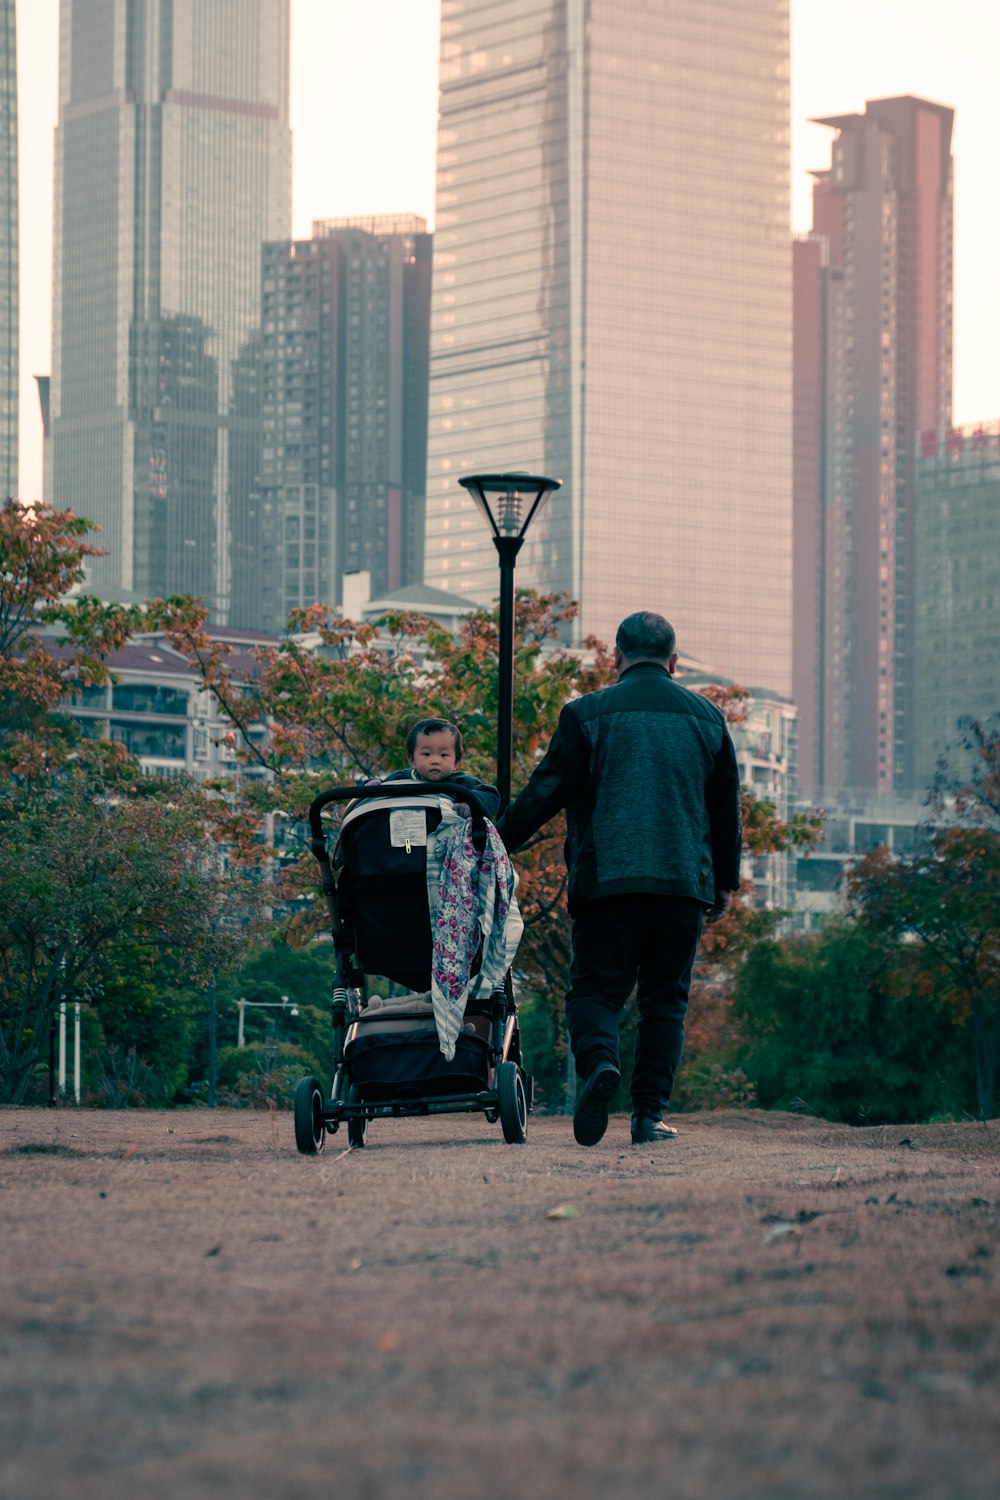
point(733, 701)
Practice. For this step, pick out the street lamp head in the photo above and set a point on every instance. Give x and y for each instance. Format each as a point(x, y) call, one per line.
point(509, 502)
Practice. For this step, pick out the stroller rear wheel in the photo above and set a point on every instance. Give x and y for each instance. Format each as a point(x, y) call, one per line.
point(358, 1127)
point(513, 1103)
point(310, 1129)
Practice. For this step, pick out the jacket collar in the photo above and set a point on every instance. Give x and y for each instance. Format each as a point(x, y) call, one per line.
point(644, 666)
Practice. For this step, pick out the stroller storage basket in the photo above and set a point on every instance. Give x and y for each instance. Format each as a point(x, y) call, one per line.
point(412, 1064)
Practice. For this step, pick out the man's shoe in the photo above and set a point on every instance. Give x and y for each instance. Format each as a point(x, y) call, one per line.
point(647, 1130)
point(590, 1118)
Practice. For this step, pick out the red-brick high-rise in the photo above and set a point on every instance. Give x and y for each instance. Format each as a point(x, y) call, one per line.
point(873, 348)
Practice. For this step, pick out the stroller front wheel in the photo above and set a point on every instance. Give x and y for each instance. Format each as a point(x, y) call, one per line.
point(310, 1128)
point(513, 1103)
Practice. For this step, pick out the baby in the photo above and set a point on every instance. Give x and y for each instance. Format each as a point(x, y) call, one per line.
point(434, 750)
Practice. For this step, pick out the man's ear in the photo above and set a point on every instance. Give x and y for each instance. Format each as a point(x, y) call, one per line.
point(672, 663)
point(618, 660)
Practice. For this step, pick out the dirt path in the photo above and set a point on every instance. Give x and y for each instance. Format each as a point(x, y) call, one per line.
point(772, 1308)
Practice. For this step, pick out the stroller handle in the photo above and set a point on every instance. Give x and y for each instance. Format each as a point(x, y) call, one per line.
point(389, 790)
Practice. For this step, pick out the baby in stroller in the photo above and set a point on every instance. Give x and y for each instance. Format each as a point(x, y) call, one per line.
point(421, 892)
point(474, 922)
point(434, 750)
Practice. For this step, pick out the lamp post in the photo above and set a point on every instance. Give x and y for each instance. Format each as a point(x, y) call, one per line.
point(509, 502)
point(283, 1004)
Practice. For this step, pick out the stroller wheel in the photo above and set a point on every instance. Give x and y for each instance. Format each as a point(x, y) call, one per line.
point(310, 1129)
point(358, 1127)
point(513, 1103)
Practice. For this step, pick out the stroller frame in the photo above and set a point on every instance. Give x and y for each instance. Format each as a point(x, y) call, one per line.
point(509, 1099)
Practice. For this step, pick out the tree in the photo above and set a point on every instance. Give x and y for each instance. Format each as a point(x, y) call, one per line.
point(42, 554)
point(945, 899)
point(94, 870)
point(834, 1024)
point(109, 880)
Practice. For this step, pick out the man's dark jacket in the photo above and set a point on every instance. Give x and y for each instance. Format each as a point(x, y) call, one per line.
point(647, 773)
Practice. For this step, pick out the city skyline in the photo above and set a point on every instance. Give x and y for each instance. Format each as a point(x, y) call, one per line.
point(342, 74)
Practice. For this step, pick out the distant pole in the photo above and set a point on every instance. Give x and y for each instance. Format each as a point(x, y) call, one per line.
point(53, 1024)
point(76, 1050)
point(241, 1006)
point(62, 1047)
point(213, 1054)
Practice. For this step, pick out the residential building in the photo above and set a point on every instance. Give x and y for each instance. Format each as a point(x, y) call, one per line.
point(957, 640)
point(338, 453)
point(853, 826)
point(9, 345)
point(766, 743)
point(173, 166)
point(873, 335)
point(612, 307)
point(156, 707)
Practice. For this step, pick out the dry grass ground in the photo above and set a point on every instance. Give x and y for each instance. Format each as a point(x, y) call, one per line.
point(771, 1308)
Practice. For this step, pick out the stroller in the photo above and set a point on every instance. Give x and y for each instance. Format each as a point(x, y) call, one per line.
point(387, 1058)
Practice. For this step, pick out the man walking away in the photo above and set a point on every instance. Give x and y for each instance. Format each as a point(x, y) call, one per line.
point(646, 771)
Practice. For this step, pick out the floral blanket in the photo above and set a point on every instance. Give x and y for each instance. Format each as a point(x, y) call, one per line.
point(471, 899)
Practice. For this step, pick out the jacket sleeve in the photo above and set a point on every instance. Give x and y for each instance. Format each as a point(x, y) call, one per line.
point(488, 796)
point(726, 817)
point(555, 782)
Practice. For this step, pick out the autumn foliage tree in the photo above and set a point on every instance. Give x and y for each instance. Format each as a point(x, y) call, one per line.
point(42, 557)
point(107, 877)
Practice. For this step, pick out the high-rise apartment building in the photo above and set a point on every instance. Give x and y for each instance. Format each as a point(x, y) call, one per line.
point(9, 347)
point(957, 625)
point(173, 166)
point(339, 372)
point(873, 335)
point(612, 307)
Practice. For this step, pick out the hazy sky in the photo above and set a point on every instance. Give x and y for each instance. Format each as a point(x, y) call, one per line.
point(364, 97)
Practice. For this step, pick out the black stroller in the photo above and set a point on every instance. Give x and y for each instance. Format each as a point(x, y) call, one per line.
point(387, 1061)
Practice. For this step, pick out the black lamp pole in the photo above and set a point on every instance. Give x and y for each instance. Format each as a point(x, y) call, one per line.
point(509, 502)
point(507, 549)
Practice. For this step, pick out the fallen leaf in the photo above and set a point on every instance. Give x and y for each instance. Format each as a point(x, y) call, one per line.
point(778, 1232)
point(563, 1211)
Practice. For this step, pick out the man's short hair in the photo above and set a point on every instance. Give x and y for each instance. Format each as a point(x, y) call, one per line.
point(646, 634)
point(434, 726)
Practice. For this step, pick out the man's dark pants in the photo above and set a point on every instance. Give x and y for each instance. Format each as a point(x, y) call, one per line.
point(618, 941)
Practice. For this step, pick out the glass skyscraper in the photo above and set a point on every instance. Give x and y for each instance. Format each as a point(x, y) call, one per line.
point(173, 166)
point(612, 306)
point(8, 252)
point(341, 434)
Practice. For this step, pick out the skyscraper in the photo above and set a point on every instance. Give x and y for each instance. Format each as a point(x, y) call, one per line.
point(957, 626)
point(173, 165)
point(8, 252)
point(341, 383)
point(612, 306)
point(874, 325)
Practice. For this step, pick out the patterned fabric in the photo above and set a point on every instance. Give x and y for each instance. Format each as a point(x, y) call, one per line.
point(471, 899)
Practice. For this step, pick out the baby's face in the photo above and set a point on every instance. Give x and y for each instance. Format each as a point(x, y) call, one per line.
point(433, 756)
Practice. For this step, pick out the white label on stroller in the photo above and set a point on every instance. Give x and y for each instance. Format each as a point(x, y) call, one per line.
point(407, 828)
